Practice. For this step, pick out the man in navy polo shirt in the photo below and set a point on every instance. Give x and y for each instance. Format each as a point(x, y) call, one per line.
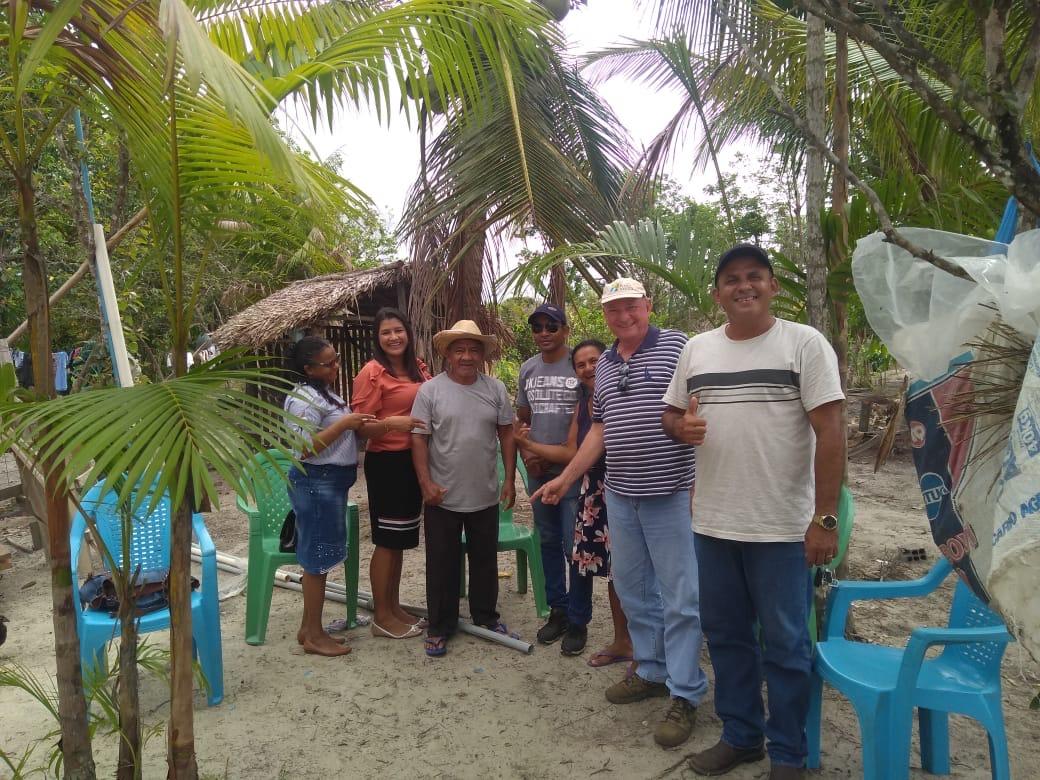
point(648, 504)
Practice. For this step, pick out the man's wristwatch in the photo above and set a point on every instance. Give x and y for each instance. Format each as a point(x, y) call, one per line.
point(826, 522)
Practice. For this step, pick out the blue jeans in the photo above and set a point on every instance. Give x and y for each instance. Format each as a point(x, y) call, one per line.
point(742, 582)
point(555, 524)
point(655, 576)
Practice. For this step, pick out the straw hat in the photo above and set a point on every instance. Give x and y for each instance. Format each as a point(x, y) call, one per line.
point(463, 329)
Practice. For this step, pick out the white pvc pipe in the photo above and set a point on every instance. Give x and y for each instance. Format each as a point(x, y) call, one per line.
point(336, 592)
point(120, 361)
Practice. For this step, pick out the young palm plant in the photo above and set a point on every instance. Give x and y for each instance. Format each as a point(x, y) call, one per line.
point(202, 144)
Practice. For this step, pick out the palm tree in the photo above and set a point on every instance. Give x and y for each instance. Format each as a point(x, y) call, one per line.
point(544, 156)
point(205, 152)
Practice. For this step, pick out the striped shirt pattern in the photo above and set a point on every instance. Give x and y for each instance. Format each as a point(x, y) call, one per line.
point(641, 459)
point(307, 403)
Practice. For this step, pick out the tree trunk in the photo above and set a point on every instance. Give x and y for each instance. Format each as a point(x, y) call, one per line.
point(467, 278)
point(182, 765)
point(815, 110)
point(127, 699)
point(557, 286)
point(180, 756)
point(72, 703)
point(839, 248)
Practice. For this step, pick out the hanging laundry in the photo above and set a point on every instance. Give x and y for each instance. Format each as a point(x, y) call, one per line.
point(61, 371)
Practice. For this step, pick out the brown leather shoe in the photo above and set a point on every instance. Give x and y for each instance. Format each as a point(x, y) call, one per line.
point(722, 758)
point(784, 772)
point(633, 689)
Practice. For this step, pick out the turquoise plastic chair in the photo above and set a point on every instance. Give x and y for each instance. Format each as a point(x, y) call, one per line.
point(265, 482)
point(524, 541)
point(149, 549)
point(886, 684)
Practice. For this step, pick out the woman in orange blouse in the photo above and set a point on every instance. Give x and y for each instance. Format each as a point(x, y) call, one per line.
point(386, 387)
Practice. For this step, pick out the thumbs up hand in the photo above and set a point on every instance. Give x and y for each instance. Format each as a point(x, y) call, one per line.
point(692, 428)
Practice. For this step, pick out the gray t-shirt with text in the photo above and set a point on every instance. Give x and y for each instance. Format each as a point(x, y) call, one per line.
point(462, 426)
point(550, 390)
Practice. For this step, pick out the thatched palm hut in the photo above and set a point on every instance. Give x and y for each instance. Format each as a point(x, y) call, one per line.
point(338, 307)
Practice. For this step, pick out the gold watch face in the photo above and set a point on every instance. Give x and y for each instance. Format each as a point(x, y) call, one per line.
point(829, 522)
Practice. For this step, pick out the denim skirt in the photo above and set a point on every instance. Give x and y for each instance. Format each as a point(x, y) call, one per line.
point(318, 495)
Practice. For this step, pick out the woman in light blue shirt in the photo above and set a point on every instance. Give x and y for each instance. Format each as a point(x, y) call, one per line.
point(318, 490)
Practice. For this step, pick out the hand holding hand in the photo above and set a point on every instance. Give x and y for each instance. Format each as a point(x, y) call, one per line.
point(354, 420)
point(403, 424)
point(692, 428)
point(432, 493)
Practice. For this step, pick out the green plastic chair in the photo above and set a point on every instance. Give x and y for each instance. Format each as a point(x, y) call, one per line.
point(266, 481)
point(524, 541)
point(846, 520)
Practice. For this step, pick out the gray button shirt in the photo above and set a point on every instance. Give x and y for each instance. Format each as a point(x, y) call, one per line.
point(308, 403)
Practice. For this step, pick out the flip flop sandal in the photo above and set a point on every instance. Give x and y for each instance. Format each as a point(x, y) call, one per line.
point(608, 659)
point(435, 646)
point(501, 628)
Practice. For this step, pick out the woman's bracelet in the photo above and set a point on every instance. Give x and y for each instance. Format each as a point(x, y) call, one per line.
point(386, 426)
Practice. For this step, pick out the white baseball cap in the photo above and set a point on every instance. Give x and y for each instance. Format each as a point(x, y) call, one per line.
point(622, 287)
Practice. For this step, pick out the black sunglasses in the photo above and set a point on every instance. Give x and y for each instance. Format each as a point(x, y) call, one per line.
point(622, 382)
point(551, 327)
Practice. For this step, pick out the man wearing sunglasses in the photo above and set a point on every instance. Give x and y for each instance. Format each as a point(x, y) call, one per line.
point(649, 476)
point(545, 401)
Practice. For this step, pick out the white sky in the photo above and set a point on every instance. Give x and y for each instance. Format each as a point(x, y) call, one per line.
point(384, 160)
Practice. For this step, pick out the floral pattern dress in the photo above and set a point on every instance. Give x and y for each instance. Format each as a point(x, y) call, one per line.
point(591, 553)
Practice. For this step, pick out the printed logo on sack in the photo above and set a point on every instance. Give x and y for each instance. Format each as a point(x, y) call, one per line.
point(934, 489)
point(1029, 432)
point(1011, 469)
point(571, 383)
point(917, 431)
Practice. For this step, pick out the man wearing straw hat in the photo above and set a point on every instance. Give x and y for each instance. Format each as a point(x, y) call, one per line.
point(468, 417)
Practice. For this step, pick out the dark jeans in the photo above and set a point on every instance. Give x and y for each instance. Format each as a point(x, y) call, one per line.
point(742, 582)
point(555, 524)
point(444, 529)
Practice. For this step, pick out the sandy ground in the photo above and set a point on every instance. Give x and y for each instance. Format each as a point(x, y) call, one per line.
point(483, 710)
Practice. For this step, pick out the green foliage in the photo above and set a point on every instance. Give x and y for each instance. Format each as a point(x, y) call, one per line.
point(164, 434)
point(100, 687)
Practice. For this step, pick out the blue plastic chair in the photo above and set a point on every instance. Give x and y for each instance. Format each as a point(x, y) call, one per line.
point(150, 549)
point(886, 684)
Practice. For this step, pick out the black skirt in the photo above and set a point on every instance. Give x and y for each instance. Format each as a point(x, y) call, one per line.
point(394, 499)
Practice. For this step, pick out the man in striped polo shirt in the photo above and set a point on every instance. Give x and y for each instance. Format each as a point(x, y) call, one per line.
point(648, 508)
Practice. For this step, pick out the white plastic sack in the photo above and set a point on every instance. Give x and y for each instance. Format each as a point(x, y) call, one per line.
point(926, 316)
point(1014, 578)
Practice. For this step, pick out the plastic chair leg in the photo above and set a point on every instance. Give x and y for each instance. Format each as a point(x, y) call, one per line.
point(534, 561)
point(93, 655)
point(208, 647)
point(521, 570)
point(259, 587)
point(813, 721)
point(935, 741)
point(462, 573)
point(352, 564)
point(1000, 767)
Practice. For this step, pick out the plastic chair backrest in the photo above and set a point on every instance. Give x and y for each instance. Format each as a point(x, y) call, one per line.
point(267, 484)
point(846, 520)
point(968, 611)
point(150, 541)
point(505, 516)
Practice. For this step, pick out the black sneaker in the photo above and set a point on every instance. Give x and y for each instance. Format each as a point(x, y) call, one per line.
point(574, 640)
point(554, 628)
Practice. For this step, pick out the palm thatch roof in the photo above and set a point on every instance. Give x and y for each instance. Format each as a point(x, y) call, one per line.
point(308, 302)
